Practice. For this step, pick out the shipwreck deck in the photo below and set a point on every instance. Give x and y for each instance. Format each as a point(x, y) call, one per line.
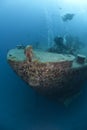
point(43, 57)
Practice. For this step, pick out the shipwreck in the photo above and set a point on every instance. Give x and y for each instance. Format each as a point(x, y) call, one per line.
point(51, 74)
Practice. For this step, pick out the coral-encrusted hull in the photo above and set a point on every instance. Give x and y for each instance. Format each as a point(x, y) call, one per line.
point(62, 79)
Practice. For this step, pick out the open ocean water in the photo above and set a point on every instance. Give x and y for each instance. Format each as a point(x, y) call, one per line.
point(28, 22)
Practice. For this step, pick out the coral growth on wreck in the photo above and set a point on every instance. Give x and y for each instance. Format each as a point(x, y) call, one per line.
point(29, 53)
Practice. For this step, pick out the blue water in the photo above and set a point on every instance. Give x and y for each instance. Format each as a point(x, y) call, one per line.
point(21, 108)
